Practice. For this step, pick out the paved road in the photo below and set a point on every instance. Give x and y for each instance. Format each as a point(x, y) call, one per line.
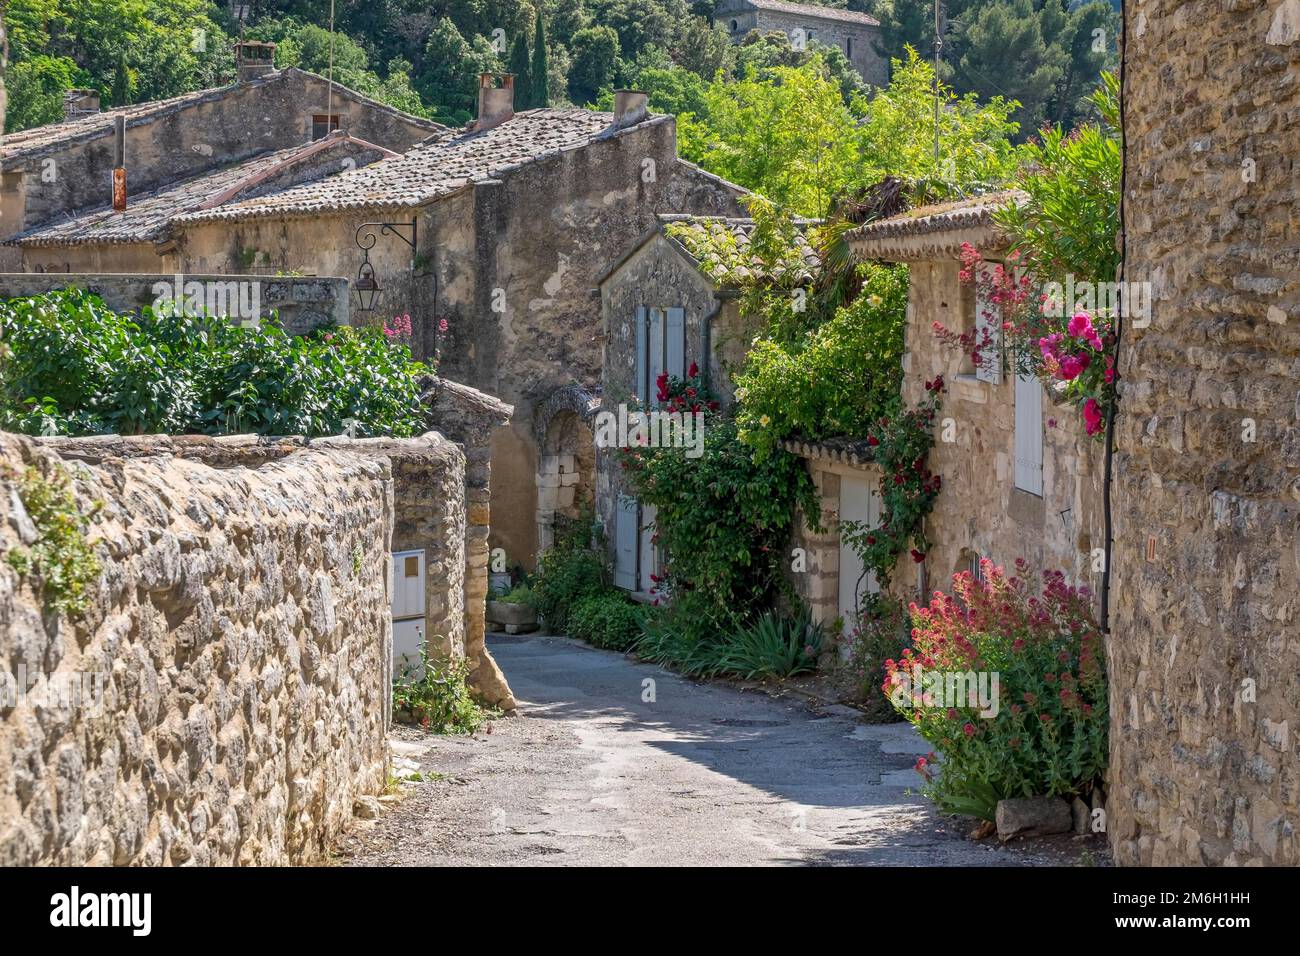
point(597, 770)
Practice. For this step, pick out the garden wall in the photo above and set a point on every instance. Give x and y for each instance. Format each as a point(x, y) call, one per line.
point(224, 696)
point(303, 302)
point(1203, 664)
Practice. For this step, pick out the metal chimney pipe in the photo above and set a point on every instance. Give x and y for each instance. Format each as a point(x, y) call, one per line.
point(119, 163)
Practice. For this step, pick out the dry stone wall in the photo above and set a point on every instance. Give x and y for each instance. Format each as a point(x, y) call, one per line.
point(224, 697)
point(1203, 658)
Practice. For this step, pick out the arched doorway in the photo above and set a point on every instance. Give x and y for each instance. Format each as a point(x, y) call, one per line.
point(566, 467)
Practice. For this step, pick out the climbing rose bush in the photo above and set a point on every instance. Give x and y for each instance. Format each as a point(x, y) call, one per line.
point(1046, 733)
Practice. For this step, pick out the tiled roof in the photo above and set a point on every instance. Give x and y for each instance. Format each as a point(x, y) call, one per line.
point(149, 217)
point(840, 450)
point(813, 10)
point(721, 248)
point(431, 169)
point(59, 135)
point(961, 214)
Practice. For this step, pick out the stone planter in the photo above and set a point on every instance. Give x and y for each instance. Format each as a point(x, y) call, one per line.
point(511, 618)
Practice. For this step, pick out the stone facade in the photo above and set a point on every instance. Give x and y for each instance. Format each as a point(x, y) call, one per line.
point(225, 696)
point(856, 35)
point(301, 303)
point(58, 170)
point(1204, 682)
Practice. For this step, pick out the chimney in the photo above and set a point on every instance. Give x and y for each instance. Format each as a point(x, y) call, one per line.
point(496, 104)
point(119, 163)
point(629, 107)
point(79, 103)
point(253, 58)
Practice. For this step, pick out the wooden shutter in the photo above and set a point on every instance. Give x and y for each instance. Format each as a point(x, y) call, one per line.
point(675, 341)
point(1029, 435)
point(656, 335)
point(625, 543)
point(988, 317)
point(639, 387)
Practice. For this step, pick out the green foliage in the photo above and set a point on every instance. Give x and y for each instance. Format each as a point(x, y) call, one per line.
point(770, 647)
point(434, 695)
point(1069, 223)
point(61, 559)
point(897, 135)
point(595, 60)
point(606, 619)
point(901, 443)
point(539, 72)
point(519, 594)
point(35, 87)
point(452, 65)
point(519, 65)
point(723, 518)
point(881, 633)
point(77, 367)
point(786, 134)
point(568, 572)
point(837, 378)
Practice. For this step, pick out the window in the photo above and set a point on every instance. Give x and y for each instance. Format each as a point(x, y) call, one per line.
point(848, 47)
point(988, 327)
point(660, 347)
point(735, 25)
point(322, 124)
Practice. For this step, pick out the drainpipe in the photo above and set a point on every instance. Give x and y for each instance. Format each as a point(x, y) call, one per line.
point(1107, 481)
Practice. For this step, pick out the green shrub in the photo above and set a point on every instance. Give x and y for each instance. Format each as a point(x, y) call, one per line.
point(568, 572)
point(76, 367)
point(882, 633)
point(773, 646)
point(607, 620)
point(61, 559)
point(519, 594)
point(434, 695)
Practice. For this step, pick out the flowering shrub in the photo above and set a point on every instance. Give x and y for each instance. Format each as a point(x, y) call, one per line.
point(1044, 733)
point(901, 445)
point(724, 517)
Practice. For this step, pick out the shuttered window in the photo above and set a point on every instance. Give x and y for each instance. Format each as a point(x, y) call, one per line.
point(1029, 435)
point(625, 543)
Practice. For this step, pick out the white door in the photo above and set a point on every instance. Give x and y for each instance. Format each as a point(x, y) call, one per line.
point(407, 607)
point(859, 501)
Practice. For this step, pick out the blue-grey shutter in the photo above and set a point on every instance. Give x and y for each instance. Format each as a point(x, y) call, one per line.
point(675, 336)
point(625, 543)
point(656, 353)
point(988, 320)
point(639, 387)
point(1029, 435)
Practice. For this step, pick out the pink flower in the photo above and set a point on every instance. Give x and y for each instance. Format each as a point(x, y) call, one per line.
point(1092, 416)
point(1081, 326)
point(1071, 367)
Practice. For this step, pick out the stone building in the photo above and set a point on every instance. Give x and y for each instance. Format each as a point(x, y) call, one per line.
point(856, 35)
point(499, 230)
point(1204, 682)
point(1021, 479)
point(669, 302)
point(61, 171)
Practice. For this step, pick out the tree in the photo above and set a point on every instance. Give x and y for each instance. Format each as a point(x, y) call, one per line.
point(36, 88)
point(787, 135)
point(540, 71)
point(518, 65)
point(904, 23)
point(452, 68)
point(595, 58)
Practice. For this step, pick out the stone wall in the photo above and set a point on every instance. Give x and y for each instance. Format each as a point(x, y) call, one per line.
point(225, 696)
point(1204, 683)
point(857, 41)
point(303, 303)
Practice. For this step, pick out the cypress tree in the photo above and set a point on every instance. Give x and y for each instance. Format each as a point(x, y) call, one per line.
point(541, 95)
point(518, 65)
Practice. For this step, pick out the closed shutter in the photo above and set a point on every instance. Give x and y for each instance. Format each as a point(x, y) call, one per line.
point(1029, 435)
point(639, 388)
point(656, 336)
point(675, 342)
point(625, 543)
point(988, 319)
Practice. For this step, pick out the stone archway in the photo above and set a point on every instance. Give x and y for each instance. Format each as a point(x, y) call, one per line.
point(566, 466)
